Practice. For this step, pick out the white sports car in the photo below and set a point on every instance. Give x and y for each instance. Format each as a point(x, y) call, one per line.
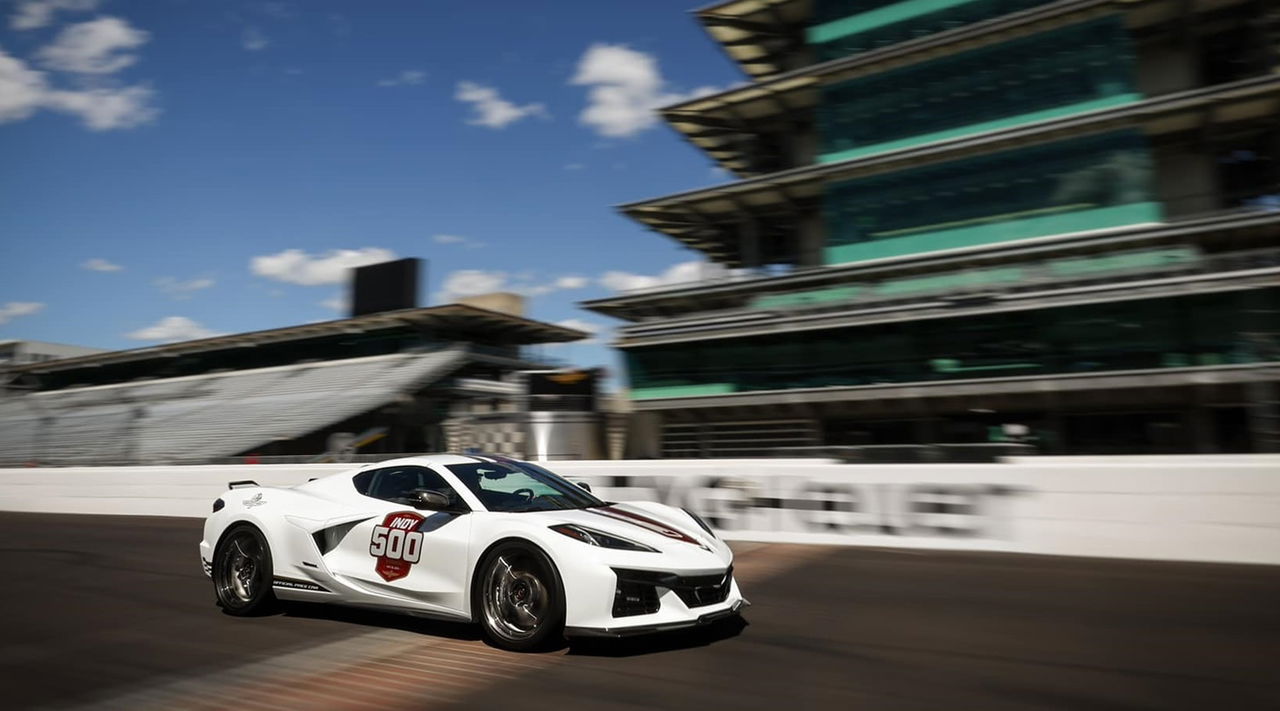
point(525, 553)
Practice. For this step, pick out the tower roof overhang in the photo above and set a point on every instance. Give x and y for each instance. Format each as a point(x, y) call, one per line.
point(756, 34)
point(677, 303)
point(708, 219)
point(1231, 275)
point(718, 123)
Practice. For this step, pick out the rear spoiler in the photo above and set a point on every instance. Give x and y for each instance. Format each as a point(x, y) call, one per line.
point(241, 484)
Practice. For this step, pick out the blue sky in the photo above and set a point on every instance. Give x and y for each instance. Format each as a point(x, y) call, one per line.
point(175, 168)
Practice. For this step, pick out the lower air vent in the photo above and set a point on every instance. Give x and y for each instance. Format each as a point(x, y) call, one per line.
point(631, 598)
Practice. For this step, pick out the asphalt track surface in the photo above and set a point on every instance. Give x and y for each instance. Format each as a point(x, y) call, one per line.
point(114, 612)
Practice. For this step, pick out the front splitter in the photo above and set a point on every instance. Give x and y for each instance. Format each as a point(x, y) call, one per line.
point(617, 632)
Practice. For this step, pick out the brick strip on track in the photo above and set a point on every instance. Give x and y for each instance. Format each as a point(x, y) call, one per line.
point(390, 669)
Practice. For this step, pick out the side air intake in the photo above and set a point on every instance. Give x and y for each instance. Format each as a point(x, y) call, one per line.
point(328, 538)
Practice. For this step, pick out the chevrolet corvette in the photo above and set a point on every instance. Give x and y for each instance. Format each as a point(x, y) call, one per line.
point(528, 555)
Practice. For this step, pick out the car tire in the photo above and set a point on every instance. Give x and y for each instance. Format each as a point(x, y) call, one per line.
point(242, 572)
point(518, 598)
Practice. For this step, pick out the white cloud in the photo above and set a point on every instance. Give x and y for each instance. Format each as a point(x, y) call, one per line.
point(626, 87)
point(183, 289)
point(24, 91)
point(16, 309)
point(253, 39)
point(95, 47)
point(98, 264)
point(407, 77)
point(574, 166)
point(473, 282)
point(458, 240)
point(572, 282)
point(171, 329)
point(491, 110)
point(106, 109)
point(278, 10)
point(34, 14)
point(675, 274)
point(534, 289)
point(340, 302)
point(295, 266)
point(563, 283)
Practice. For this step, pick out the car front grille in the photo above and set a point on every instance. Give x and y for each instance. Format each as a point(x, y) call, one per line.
point(696, 591)
point(637, 591)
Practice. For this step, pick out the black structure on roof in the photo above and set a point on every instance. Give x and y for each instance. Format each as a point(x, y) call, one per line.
point(386, 286)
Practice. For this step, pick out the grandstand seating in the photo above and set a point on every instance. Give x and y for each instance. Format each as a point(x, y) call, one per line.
point(196, 418)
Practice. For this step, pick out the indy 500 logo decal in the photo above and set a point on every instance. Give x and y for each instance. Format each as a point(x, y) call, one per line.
point(397, 544)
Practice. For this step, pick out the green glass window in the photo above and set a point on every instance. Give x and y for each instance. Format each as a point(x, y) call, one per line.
point(1149, 261)
point(1201, 330)
point(825, 11)
point(1079, 68)
point(1068, 186)
point(847, 27)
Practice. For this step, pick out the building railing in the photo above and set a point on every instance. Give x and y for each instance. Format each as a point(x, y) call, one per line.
point(974, 453)
point(1039, 278)
point(1262, 205)
point(530, 354)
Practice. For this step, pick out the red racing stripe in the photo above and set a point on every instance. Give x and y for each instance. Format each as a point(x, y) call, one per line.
point(645, 523)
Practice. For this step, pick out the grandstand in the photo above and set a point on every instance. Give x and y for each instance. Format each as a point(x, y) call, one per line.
point(284, 391)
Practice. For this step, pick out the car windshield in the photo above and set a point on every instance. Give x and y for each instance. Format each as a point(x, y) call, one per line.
point(512, 486)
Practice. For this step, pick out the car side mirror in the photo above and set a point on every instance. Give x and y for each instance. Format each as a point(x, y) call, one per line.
point(583, 484)
point(431, 501)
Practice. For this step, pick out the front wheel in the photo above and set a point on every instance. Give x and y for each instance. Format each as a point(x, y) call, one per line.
point(242, 572)
point(519, 598)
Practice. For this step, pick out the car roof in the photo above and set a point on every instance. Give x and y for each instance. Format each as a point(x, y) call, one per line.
point(424, 459)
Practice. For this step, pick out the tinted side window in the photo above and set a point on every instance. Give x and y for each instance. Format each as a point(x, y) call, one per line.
point(398, 484)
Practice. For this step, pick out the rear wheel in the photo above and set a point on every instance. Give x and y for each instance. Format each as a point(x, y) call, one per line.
point(519, 598)
point(242, 572)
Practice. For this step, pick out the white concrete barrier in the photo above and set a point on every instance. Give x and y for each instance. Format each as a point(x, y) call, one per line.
point(1223, 509)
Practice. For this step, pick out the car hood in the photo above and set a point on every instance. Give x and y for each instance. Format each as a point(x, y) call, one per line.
point(654, 525)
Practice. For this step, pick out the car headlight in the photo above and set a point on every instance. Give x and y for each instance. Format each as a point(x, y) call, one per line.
point(700, 522)
point(591, 536)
